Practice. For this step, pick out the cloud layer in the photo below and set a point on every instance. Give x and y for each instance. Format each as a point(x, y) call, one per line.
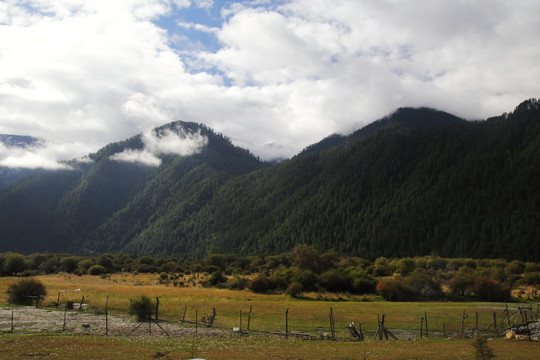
point(176, 142)
point(286, 73)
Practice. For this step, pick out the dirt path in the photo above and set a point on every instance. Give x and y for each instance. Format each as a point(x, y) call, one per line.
point(30, 319)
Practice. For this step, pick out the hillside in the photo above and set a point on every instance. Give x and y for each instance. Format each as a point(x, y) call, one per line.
point(417, 182)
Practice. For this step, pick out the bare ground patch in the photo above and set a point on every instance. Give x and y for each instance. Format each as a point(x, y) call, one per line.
point(31, 319)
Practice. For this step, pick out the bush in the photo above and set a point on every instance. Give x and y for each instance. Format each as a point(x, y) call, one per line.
point(146, 268)
point(481, 349)
point(143, 308)
point(216, 279)
point(260, 284)
point(336, 280)
point(395, 290)
point(364, 285)
point(97, 270)
point(308, 279)
point(69, 264)
point(294, 289)
point(462, 282)
point(237, 283)
point(26, 291)
point(406, 266)
point(424, 286)
point(485, 288)
point(14, 264)
point(381, 267)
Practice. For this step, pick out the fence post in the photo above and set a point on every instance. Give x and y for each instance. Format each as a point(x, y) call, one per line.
point(157, 308)
point(287, 323)
point(421, 327)
point(476, 324)
point(11, 320)
point(64, 326)
point(184, 316)
point(82, 300)
point(332, 328)
point(150, 321)
point(425, 318)
point(444, 330)
point(107, 316)
point(249, 316)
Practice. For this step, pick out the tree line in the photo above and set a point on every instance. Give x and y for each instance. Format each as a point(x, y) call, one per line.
point(305, 270)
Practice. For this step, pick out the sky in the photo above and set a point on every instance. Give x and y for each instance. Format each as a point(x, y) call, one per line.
point(273, 76)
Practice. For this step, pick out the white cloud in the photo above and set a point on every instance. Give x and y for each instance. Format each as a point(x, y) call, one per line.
point(86, 73)
point(40, 156)
point(177, 142)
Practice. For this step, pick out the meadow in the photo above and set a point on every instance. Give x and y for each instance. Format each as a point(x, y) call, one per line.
point(308, 314)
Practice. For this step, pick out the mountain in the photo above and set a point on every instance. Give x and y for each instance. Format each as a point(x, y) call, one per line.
point(403, 119)
point(417, 182)
point(66, 210)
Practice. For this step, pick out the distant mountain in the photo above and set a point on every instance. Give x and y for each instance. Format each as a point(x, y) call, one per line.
point(9, 175)
point(417, 182)
point(18, 140)
point(402, 119)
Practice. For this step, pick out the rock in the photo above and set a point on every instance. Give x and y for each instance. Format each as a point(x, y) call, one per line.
point(521, 337)
point(511, 335)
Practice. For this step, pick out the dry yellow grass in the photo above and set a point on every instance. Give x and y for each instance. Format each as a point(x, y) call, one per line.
point(268, 310)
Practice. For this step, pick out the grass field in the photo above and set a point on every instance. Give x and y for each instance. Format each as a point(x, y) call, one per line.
point(310, 314)
point(54, 346)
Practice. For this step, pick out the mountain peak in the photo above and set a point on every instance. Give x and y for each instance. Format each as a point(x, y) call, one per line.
point(404, 118)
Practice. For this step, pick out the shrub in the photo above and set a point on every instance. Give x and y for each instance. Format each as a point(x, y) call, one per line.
point(164, 278)
point(531, 278)
point(425, 284)
point(216, 278)
point(237, 283)
point(336, 280)
point(97, 270)
point(147, 268)
point(69, 264)
point(260, 284)
point(485, 288)
point(281, 278)
point(294, 289)
point(143, 308)
point(406, 266)
point(395, 290)
point(462, 282)
point(308, 279)
point(364, 284)
point(14, 263)
point(381, 267)
point(515, 267)
point(85, 264)
point(26, 291)
point(481, 349)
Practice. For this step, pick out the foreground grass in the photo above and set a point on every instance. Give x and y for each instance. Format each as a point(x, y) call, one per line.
point(54, 346)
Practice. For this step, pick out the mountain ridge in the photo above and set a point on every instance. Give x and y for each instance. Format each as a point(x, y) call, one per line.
point(455, 189)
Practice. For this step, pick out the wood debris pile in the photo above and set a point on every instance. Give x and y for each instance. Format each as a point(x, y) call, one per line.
point(527, 331)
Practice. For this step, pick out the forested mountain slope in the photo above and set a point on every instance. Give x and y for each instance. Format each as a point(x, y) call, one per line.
point(417, 182)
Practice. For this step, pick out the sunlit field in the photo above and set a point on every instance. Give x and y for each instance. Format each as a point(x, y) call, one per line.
point(308, 314)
